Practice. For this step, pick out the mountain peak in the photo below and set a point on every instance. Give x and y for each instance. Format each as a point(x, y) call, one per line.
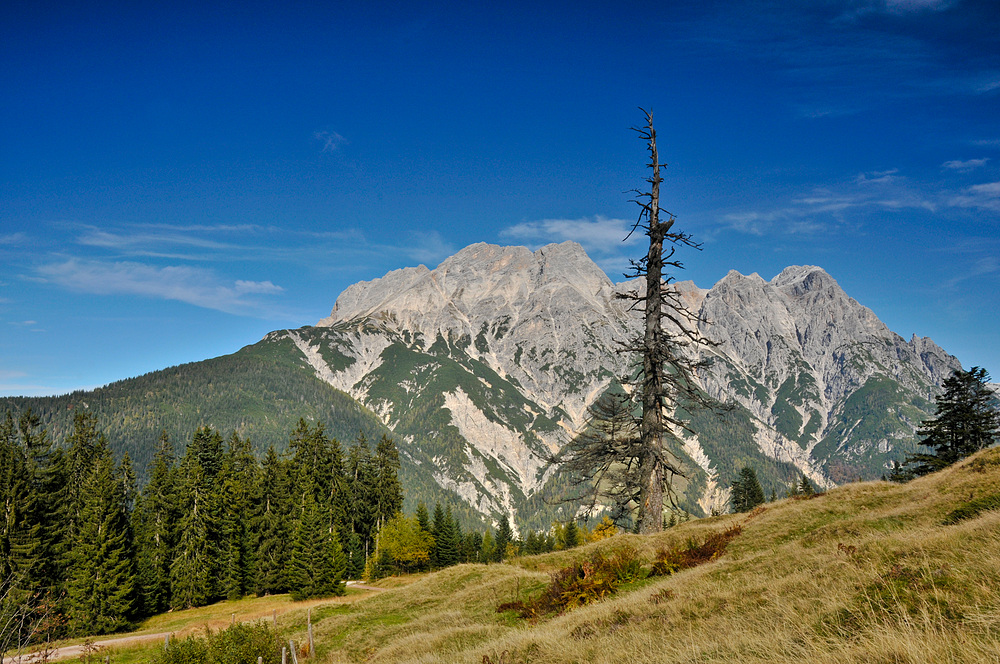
point(482, 275)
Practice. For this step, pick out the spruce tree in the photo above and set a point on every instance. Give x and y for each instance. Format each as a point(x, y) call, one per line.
point(193, 571)
point(272, 527)
point(504, 537)
point(571, 537)
point(388, 490)
point(446, 542)
point(438, 533)
point(317, 563)
point(155, 520)
point(747, 492)
point(238, 481)
point(364, 502)
point(966, 420)
point(101, 585)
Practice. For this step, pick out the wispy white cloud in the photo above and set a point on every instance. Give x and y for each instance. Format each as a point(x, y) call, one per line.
point(196, 286)
point(426, 247)
point(598, 234)
point(829, 208)
point(967, 165)
point(13, 238)
point(603, 238)
point(877, 177)
point(985, 196)
point(330, 140)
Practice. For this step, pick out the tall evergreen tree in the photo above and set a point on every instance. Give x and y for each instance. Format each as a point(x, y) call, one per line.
point(747, 492)
point(155, 527)
point(317, 563)
point(238, 481)
point(571, 536)
point(271, 527)
point(33, 544)
point(388, 490)
point(101, 586)
point(505, 535)
point(364, 502)
point(965, 421)
point(446, 540)
point(193, 571)
point(438, 533)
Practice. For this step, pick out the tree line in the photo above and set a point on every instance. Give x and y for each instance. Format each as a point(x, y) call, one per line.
point(83, 552)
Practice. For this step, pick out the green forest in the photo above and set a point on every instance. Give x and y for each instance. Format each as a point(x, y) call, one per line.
point(84, 552)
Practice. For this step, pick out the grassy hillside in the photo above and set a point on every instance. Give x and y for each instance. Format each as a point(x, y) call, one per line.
point(865, 573)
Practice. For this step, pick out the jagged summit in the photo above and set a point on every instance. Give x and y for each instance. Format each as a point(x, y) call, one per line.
point(485, 365)
point(480, 279)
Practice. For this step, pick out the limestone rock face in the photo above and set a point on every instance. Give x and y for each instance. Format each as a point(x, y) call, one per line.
point(485, 365)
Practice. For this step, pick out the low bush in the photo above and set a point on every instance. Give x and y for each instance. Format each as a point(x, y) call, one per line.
point(237, 644)
point(692, 554)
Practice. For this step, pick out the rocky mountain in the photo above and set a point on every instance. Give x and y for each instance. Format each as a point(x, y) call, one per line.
point(485, 365)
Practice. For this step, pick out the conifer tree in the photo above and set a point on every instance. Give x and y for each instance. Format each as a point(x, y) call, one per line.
point(504, 537)
point(101, 586)
point(355, 557)
point(364, 502)
point(747, 492)
point(571, 536)
point(316, 564)
point(155, 519)
point(438, 533)
point(423, 518)
point(193, 571)
point(966, 420)
point(446, 542)
point(271, 527)
point(32, 549)
point(238, 480)
point(388, 490)
point(806, 487)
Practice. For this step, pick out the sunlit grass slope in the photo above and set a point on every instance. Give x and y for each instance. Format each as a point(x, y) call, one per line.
point(865, 573)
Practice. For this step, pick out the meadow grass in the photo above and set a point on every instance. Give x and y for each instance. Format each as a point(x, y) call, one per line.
point(868, 572)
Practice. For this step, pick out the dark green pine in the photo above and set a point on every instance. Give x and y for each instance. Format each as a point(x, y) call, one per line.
point(193, 569)
point(101, 583)
point(155, 519)
point(316, 564)
point(271, 527)
point(238, 479)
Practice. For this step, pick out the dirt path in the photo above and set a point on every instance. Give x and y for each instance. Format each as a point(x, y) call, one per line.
point(96, 647)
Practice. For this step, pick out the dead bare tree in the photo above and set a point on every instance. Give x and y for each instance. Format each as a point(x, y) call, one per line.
point(666, 343)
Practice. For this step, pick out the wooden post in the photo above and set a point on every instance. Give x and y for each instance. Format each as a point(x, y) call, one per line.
point(232, 619)
point(274, 617)
point(260, 660)
point(166, 641)
point(312, 645)
point(284, 655)
point(291, 646)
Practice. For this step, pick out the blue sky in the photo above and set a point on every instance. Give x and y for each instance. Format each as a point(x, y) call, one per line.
point(178, 179)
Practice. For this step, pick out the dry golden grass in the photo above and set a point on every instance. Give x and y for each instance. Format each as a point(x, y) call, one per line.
point(865, 573)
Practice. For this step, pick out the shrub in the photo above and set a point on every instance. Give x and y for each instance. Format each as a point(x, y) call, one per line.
point(693, 554)
point(237, 644)
point(583, 583)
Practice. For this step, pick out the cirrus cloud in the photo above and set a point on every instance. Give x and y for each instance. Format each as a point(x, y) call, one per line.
point(192, 285)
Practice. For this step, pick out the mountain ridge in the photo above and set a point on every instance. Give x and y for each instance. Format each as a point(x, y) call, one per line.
point(483, 367)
